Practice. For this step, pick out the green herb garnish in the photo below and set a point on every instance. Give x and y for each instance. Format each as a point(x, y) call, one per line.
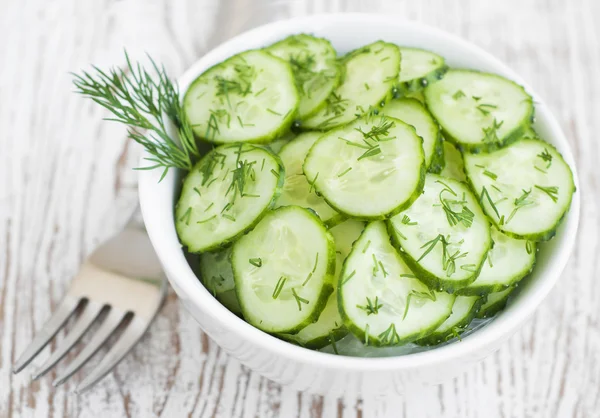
point(551, 191)
point(279, 287)
point(135, 98)
point(371, 307)
point(256, 262)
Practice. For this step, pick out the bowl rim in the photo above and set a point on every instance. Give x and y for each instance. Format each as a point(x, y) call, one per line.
point(500, 328)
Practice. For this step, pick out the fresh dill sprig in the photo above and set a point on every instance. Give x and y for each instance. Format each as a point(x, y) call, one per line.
point(344, 172)
point(306, 78)
point(138, 100)
point(448, 260)
point(310, 274)
point(348, 277)
point(256, 262)
point(414, 293)
point(186, 216)
point(208, 165)
point(520, 202)
point(486, 194)
point(240, 84)
point(366, 246)
point(299, 300)
point(485, 108)
point(279, 287)
point(430, 246)
point(335, 105)
point(465, 216)
point(490, 134)
point(406, 221)
point(546, 157)
point(372, 306)
point(207, 219)
point(378, 133)
point(389, 336)
point(551, 191)
point(241, 176)
point(486, 172)
point(458, 94)
point(375, 264)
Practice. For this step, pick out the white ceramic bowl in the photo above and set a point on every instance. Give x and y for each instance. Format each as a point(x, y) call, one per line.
point(324, 373)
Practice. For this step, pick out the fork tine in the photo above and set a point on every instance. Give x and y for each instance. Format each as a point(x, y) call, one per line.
point(109, 325)
point(126, 341)
point(86, 319)
point(66, 308)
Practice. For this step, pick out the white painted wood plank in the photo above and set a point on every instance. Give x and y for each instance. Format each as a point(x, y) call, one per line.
point(63, 171)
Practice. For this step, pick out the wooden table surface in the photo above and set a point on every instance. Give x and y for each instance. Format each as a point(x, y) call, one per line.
point(66, 182)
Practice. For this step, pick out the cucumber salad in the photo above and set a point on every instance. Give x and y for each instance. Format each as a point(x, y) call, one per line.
point(374, 199)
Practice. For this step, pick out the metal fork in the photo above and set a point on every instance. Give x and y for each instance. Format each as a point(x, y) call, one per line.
point(121, 279)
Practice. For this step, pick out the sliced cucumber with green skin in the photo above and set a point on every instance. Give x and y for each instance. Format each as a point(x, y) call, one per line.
point(369, 74)
point(508, 261)
point(217, 276)
point(226, 194)
point(296, 189)
point(444, 236)
point(412, 112)
point(283, 284)
point(438, 162)
point(495, 303)
point(380, 300)
point(315, 67)
point(464, 310)
point(419, 69)
point(329, 328)
point(525, 188)
point(368, 169)
point(417, 95)
point(280, 142)
point(479, 111)
point(250, 97)
point(454, 166)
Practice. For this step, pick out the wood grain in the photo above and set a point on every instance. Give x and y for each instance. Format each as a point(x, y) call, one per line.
point(66, 182)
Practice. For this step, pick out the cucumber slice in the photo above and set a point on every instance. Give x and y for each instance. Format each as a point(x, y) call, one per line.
point(282, 283)
point(280, 142)
point(508, 261)
point(368, 169)
point(454, 166)
point(249, 97)
point(329, 328)
point(417, 95)
point(381, 301)
point(437, 161)
point(419, 69)
point(464, 310)
point(369, 74)
point(495, 303)
point(444, 236)
point(216, 275)
point(315, 67)
point(479, 111)
point(525, 188)
point(296, 189)
point(226, 194)
point(413, 113)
